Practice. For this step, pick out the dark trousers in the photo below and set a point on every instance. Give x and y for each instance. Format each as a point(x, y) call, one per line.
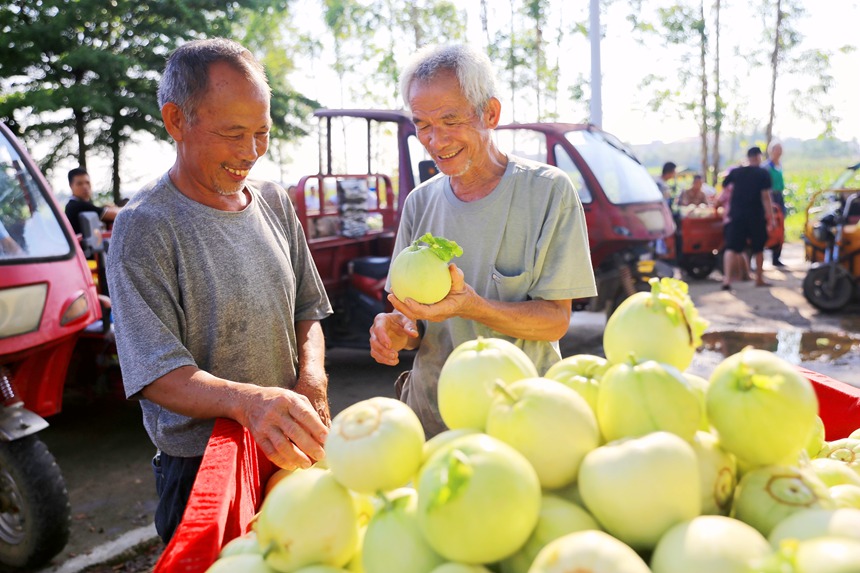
point(174, 478)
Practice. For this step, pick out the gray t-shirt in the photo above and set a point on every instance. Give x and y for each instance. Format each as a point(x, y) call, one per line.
point(526, 240)
point(219, 290)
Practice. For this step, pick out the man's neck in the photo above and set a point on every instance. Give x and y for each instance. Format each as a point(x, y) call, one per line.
point(477, 184)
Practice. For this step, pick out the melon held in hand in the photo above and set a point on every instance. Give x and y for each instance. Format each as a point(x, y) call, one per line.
point(420, 272)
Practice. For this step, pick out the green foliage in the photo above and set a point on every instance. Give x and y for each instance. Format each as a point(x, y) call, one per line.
point(83, 73)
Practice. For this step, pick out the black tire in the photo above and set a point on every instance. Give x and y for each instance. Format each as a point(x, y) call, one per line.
point(34, 505)
point(700, 269)
point(827, 295)
point(621, 296)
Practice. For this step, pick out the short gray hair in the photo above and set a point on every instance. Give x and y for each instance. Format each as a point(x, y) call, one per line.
point(186, 75)
point(473, 69)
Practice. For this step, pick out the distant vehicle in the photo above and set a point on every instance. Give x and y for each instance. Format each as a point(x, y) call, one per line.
point(47, 299)
point(370, 160)
point(832, 238)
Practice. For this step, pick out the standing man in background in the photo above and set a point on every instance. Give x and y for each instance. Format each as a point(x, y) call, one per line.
point(752, 217)
point(82, 200)
point(774, 166)
point(667, 173)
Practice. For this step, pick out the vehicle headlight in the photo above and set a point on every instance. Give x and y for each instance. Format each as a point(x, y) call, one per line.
point(74, 310)
point(21, 309)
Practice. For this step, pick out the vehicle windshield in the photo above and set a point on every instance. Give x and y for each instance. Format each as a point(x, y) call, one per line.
point(622, 178)
point(850, 179)
point(29, 228)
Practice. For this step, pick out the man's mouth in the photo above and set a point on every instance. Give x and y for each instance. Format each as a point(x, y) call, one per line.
point(448, 156)
point(237, 172)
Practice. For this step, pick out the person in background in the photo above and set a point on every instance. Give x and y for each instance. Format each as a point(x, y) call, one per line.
point(740, 270)
point(518, 275)
point(751, 212)
point(216, 299)
point(774, 167)
point(695, 195)
point(9, 247)
point(668, 172)
point(82, 200)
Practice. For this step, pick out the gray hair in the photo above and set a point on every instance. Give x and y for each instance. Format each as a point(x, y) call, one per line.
point(773, 143)
point(186, 75)
point(473, 69)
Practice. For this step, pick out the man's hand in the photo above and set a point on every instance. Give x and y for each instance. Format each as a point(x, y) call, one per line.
point(285, 425)
point(391, 333)
point(459, 299)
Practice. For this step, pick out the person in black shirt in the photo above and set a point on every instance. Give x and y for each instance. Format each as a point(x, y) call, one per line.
point(751, 215)
point(82, 200)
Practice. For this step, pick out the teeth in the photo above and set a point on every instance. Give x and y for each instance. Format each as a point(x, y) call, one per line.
point(239, 172)
point(449, 156)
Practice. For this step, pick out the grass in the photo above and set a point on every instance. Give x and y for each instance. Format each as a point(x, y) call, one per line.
point(800, 184)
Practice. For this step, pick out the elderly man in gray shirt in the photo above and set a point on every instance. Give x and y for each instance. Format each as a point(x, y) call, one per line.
point(216, 298)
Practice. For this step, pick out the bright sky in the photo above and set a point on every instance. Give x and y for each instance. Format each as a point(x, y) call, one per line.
point(827, 26)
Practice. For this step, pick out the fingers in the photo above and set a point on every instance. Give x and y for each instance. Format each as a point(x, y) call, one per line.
point(458, 280)
point(289, 430)
point(307, 430)
point(389, 335)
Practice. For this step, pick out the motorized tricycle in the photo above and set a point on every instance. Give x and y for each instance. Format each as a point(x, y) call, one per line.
point(350, 209)
point(697, 244)
point(47, 299)
point(832, 243)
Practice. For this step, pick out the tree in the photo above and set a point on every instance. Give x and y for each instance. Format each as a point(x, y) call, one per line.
point(719, 105)
point(83, 73)
point(784, 56)
point(685, 27)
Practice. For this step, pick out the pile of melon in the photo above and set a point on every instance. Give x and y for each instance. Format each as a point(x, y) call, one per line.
point(623, 464)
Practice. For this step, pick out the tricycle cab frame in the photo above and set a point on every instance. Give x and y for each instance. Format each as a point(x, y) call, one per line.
point(47, 298)
point(48, 287)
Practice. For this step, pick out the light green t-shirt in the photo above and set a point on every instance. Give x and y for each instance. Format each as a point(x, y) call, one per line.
point(526, 240)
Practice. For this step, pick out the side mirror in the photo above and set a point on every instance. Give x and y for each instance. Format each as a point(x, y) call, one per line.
point(92, 234)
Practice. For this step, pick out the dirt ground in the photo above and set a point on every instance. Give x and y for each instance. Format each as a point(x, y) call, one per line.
point(777, 318)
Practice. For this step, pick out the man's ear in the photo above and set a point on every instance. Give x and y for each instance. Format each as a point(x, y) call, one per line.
point(492, 113)
point(174, 120)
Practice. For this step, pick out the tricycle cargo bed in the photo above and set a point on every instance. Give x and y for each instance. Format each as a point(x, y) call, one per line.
point(229, 488)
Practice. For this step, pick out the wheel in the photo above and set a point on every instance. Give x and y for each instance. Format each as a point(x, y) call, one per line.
point(700, 268)
point(621, 296)
point(825, 293)
point(34, 505)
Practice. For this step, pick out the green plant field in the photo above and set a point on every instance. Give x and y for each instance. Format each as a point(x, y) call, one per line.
point(801, 183)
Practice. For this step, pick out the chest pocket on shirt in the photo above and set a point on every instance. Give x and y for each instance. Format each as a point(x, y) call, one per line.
point(511, 288)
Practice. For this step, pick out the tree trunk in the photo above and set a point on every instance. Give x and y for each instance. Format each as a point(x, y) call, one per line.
point(539, 56)
point(703, 53)
point(80, 131)
point(718, 102)
point(774, 62)
point(484, 26)
point(115, 151)
point(513, 65)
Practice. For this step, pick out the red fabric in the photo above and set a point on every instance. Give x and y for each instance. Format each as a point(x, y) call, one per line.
point(838, 404)
point(227, 494)
point(229, 487)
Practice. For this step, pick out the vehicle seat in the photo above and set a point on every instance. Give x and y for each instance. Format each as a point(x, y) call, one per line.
point(852, 217)
point(372, 267)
